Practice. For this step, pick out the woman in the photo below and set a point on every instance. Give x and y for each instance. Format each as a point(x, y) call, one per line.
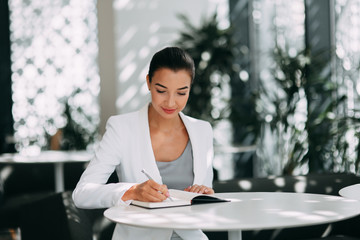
point(176, 150)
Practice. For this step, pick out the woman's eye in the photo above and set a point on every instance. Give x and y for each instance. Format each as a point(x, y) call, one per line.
point(182, 94)
point(160, 91)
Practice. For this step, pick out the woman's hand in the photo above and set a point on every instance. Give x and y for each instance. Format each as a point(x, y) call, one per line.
point(199, 189)
point(149, 191)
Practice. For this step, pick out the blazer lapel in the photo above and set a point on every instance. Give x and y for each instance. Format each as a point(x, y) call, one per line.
point(147, 153)
point(199, 173)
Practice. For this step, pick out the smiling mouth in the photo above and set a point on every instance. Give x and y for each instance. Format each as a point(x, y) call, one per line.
point(169, 111)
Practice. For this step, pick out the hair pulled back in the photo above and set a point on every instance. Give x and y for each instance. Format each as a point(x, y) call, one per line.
point(173, 58)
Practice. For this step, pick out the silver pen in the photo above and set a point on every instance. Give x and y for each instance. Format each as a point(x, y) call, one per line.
point(150, 178)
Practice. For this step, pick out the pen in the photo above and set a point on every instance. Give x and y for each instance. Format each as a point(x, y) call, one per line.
point(150, 178)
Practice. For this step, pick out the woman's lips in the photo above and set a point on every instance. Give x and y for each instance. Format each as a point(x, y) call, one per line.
point(169, 111)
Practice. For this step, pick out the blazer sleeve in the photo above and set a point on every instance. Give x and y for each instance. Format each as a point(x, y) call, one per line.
point(92, 190)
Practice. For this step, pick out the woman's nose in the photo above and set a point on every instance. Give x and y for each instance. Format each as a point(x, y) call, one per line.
point(171, 101)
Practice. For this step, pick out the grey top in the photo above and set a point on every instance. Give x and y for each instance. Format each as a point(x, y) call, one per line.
point(178, 174)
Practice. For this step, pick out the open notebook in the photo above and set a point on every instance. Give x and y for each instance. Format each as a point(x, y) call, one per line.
point(180, 198)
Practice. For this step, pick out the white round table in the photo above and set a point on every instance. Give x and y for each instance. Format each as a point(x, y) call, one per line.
point(58, 158)
point(352, 192)
point(247, 211)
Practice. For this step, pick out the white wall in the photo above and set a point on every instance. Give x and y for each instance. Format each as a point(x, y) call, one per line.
point(130, 32)
point(106, 61)
point(142, 28)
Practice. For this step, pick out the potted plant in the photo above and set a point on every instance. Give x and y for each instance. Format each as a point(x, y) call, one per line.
point(215, 54)
point(304, 91)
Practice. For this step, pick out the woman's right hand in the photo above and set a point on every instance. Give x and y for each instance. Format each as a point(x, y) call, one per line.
point(149, 191)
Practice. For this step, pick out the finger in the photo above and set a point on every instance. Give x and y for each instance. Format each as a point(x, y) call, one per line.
point(208, 191)
point(192, 188)
point(147, 191)
point(164, 190)
point(202, 189)
point(156, 196)
point(152, 183)
point(153, 197)
point(161, 189)
point(195, 188)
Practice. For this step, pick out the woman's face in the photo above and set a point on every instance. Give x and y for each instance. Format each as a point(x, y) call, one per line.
point(169, 91)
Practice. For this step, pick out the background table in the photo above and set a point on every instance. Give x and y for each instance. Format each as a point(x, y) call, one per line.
point(58, 158)
point(247, 211)
point(352, 192)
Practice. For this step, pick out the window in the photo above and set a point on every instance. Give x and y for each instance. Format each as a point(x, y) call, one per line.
point(54, 69)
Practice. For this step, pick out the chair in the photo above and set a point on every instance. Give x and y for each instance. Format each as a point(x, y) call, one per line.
point(56, 217)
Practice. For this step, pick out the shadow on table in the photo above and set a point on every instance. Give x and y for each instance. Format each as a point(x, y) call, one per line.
point(312, 183)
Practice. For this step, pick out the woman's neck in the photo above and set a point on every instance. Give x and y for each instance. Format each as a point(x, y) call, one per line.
point(163, 124)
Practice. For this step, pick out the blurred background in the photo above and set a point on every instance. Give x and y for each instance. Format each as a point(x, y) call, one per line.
point(278, 80)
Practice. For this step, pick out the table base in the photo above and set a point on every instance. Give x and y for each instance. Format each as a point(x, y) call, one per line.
point(234, 235)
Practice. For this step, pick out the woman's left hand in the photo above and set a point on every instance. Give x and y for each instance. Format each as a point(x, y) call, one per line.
point(199, 189)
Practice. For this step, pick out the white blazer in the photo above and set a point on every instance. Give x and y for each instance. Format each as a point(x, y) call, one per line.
point(126, 147)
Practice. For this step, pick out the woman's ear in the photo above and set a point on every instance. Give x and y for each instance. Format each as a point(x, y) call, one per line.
point(148, 81)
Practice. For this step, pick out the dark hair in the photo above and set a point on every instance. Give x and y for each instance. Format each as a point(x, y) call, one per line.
point(173, 58)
